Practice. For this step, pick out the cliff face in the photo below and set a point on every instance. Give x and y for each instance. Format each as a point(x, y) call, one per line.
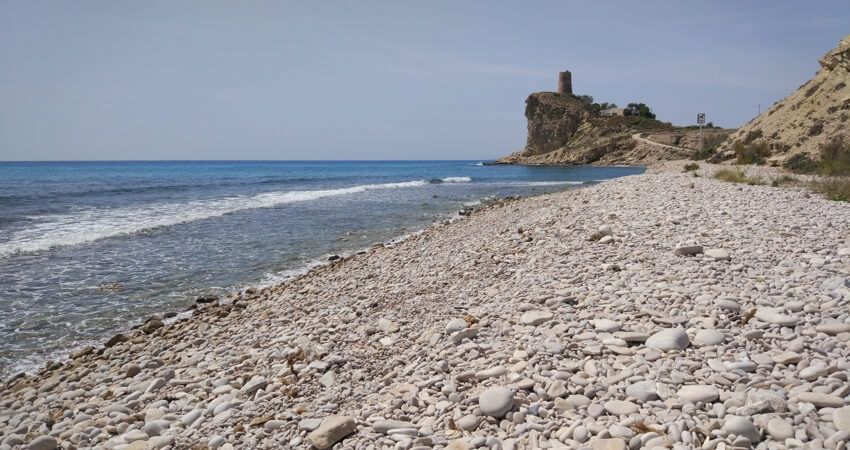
point(563, 130)
point(817, 112)
point(553, 121)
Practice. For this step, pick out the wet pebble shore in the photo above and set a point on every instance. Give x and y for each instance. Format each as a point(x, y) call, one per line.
point(655, 311)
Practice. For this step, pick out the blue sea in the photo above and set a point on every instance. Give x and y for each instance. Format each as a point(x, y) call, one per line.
point(89, 248)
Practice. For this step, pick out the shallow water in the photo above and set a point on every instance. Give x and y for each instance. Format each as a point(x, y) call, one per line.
point(89, 248)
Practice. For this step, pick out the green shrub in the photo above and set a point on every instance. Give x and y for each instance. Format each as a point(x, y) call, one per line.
point(737, 176)
point(691, 167)
point(833, 188)
point(781, 180)
point(801, 163)
point(751, 154)
point(702, 155)
point(753, 135)
point(835, 157)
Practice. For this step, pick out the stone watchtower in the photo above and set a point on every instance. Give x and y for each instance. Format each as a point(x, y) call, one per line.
point(565, 83)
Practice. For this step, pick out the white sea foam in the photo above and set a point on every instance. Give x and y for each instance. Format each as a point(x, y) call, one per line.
point(84, 226)
point(456, 180)
point(545, 183)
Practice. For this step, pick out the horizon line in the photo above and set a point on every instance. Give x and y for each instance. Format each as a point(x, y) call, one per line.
point(234, 160)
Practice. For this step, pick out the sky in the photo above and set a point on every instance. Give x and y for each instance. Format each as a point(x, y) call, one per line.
point(121, 80)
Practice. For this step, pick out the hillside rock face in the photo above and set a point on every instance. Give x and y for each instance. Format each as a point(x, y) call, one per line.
point(814, 114)
point(562, 129)
point(553, 121)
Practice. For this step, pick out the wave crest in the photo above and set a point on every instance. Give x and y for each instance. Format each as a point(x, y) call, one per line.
point(81, 227)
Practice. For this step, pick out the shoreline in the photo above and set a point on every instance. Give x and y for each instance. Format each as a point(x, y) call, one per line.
point(515, 295)
point(63, 356)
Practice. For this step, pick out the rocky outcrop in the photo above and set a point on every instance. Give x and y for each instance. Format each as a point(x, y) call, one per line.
point(814, 114)
point(562, 129)
point(553, 121)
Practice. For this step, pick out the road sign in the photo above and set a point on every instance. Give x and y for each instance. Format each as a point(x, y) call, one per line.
point(701, 118)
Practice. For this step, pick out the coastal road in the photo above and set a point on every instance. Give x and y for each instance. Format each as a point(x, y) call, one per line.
point(638, 138)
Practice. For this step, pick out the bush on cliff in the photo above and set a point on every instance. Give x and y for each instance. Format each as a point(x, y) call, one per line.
point(835, 157)
point(801, 163)
point(750, 153)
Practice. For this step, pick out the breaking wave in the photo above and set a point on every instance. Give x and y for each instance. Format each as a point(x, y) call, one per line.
point(60, 230)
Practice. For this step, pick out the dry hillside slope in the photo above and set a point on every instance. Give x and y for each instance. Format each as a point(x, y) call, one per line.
point(814, 114)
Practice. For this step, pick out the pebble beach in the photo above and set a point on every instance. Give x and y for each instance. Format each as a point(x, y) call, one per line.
point(659, 311)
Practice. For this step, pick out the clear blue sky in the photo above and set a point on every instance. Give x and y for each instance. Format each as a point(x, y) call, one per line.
point(376, 80)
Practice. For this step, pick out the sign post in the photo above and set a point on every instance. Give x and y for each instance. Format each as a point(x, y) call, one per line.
point(700, 122)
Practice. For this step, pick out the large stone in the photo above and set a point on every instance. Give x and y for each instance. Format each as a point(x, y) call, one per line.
point(456, 325)
point(536, 317)
point(557, 389)
point(331, 431)
point(814, 372)
point(821, 400)
point(698, 393)
point(383, 426)
point(718, 254)
point(115, 340)
point(741, 426)
point(253, 386)
point(152, 325)
point(833, 328)
point(787, 358)
point(387, 326)
point(467, 423)
point(643, 391)
point(669, 339)
point(608, 444)
point(687, 250)
point(620, 407)
point(496, 401)
point(493, 372)
point(160, 441)
point(43, 443)
point(606, 325)
point(779, 429)
point(728, 305)
point(776, 317)
point(708, 337)
point(841, 419)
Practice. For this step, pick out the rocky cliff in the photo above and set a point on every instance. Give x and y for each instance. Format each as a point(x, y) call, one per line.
point(817, 112)
point(562, 129)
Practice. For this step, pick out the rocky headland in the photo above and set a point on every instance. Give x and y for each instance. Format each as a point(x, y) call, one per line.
point(654, 311)
point(564, 129)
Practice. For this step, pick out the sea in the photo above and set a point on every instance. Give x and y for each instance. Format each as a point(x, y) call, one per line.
point(88, 249)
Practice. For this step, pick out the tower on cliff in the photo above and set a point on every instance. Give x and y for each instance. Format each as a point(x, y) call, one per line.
point(565, 83)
